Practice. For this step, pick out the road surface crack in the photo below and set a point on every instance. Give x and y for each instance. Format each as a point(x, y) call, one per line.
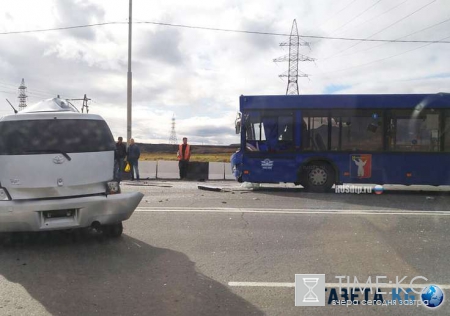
point(255, 244)
point(246, 231)
point(245, 222)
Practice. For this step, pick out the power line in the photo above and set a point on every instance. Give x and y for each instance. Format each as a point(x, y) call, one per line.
point(357, 16)
point(376, 46)
point(283, 34)
point(61, 28)
point(385, 28)
point(226, 30)
point(42, 95)
point(404, 18)
point(383, 59)
point(377, 16)
point(333, 15)
point(43, 91)
point(37, 92)
point(7, 92)
point(6, 85)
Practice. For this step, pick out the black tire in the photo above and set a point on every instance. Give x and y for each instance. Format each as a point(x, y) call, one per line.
point(113, 231)
point(318, 177)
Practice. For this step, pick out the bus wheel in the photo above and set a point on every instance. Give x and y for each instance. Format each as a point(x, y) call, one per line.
point(319, 177)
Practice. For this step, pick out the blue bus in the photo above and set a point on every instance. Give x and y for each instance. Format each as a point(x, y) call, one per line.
point(318, 141)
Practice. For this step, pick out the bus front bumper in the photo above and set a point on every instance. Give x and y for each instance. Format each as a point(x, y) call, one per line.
point(69, 213)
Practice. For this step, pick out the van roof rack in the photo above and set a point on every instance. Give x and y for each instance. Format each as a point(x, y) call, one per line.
point(51, 105)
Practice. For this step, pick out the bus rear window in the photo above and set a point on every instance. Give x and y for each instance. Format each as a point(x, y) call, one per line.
point(70, 136)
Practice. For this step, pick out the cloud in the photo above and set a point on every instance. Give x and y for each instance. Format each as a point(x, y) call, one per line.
point(261, 25)
point(198, 75)
point(211, 131)
point(8, 16)
point(161, 45)
point(78, 12)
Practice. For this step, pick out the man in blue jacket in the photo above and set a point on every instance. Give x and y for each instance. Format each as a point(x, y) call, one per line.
point(133, 154)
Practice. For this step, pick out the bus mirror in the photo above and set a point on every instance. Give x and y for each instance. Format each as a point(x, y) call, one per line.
point(237, 124)
point(238, 127)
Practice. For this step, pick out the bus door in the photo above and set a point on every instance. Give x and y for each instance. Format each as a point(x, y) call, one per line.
point(269, 147)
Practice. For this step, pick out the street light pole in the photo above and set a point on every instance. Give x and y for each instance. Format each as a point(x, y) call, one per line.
point(129, 77)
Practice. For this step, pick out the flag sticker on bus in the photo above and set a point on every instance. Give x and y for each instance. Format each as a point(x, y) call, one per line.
point(361, 166)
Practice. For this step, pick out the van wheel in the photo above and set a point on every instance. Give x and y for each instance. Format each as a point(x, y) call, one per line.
point(114, 230)
point(319, 177)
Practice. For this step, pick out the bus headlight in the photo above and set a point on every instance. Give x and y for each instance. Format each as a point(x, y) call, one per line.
point(4, 196)
point(113, 187)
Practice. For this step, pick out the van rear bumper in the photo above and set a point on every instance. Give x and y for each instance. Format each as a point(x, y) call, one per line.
point(29, 215)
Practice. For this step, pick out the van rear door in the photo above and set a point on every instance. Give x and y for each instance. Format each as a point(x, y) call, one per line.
point(48, 156)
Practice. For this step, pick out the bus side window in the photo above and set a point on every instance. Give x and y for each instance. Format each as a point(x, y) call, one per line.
point(362, 133)
point(285, 134)
point(416, 133)
point(305, 135)
point(446, 131)
point(315, 133)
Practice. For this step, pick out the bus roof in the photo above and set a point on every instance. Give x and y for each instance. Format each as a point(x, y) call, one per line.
point(345, 101)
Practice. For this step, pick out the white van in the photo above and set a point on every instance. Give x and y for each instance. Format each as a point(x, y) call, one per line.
point(56, 172)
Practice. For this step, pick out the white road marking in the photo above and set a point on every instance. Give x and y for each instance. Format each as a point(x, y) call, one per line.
point(294, 211)
point(261, 284)
point(335, 285)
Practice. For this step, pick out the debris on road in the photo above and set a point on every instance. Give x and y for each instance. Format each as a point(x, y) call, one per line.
point(243, 188)
point(144, 184)
point(207, 188)
point(250, 185)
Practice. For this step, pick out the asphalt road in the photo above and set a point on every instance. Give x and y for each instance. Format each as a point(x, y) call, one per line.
point(187, 251)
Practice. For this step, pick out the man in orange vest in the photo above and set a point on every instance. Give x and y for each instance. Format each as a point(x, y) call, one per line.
point(184, 154)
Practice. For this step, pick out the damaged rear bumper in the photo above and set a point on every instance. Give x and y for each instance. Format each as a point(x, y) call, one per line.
point(55, 214)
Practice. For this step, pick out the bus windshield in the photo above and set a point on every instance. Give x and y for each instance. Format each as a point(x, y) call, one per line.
point(271, 133)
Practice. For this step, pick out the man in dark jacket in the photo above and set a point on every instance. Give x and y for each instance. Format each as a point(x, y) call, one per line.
point(133, 155)
point(119, 157)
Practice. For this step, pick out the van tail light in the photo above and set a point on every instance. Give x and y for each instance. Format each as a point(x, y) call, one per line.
point(112, 187)
point(4, 195)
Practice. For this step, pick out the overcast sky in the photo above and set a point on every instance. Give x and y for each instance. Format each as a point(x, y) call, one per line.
point(198, 75)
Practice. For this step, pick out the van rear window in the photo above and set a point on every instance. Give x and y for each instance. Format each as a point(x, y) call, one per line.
point(69, 136)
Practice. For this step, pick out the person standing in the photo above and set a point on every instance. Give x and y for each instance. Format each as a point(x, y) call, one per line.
point(133, 155)
point(119, 157)
point(184, 154)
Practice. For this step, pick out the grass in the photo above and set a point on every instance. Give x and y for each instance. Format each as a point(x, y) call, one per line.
point(220, 157)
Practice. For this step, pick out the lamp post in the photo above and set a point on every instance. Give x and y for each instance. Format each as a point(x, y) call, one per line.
point(129, 77)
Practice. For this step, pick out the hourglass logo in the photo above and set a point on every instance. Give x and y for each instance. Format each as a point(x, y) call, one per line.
point(310, 290)
point(310, 297)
